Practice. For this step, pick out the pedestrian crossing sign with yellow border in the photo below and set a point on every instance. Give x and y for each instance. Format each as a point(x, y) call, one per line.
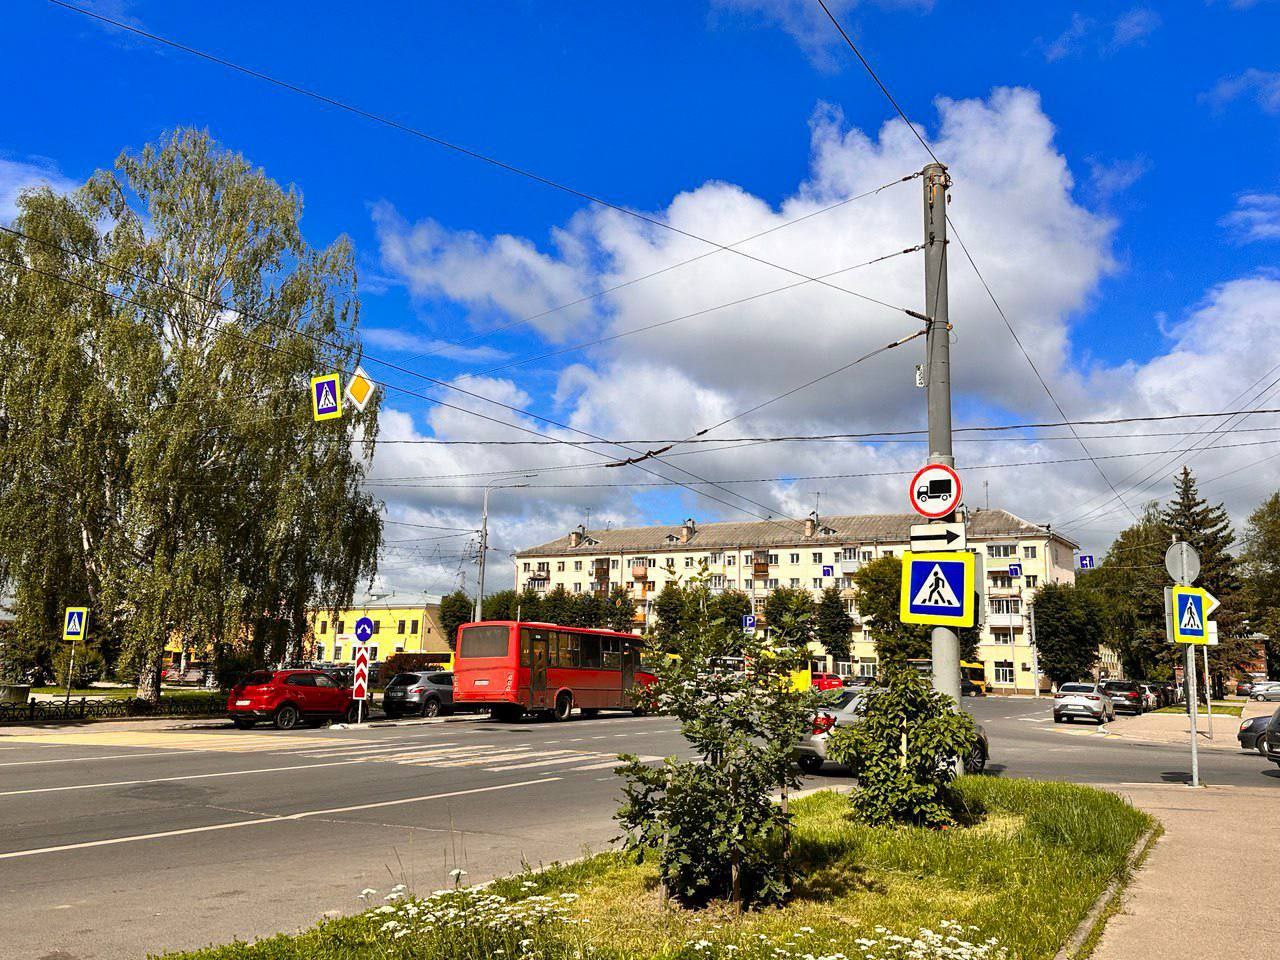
point(326, 397)
point(938, 589)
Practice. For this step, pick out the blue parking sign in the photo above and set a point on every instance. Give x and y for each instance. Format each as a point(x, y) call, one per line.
point(748, 623)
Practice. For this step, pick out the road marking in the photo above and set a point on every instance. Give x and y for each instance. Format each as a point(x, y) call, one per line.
point(545, 763)
point(608, 764)
point(113, 756)
point(190, 776)
point(331, 811)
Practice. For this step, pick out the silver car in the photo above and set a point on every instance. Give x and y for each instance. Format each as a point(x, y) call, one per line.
point(1265, 690)
point(1088, 701)
point(843, 710)
point(427, 694)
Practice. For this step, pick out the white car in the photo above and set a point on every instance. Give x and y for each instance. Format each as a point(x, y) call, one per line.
point(1084, 700)
point(1150, 699)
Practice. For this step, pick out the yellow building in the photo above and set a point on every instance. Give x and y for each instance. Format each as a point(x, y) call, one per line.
point(399, 626)
point(757, 557)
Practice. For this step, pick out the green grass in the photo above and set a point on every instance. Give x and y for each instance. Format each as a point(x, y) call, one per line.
point(1221, 708)
point(1026, 873)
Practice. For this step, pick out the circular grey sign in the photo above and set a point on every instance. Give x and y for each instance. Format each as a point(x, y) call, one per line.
point(1182, 562)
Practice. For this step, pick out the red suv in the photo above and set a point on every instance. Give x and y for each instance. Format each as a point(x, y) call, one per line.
point(827, 681)
point(288, 697)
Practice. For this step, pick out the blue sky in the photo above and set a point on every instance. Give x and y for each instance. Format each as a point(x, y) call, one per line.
point(1158, 119)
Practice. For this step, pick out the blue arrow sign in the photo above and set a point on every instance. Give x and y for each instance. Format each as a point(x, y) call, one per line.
point(828, 571)
point(1015, 570)
point(1086, 561)
point(364, 629)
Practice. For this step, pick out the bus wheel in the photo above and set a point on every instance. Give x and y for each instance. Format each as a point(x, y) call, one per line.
point(564, 706)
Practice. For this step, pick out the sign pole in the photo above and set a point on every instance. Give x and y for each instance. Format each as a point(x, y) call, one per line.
point(1208, 689)
point(945, 642)
point(1191, 692)
point(71, 669)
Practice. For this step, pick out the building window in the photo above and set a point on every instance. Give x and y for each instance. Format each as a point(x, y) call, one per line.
point(817, 583)
point(400, 627)
point(758, 605)
point(772, 583)
point(319, 651)
point(613, 564)
point(817, 556)
point(795, 558)
point(866, 556)
point(1006, 606)
point(1002, 581)
point(746, 584)
point(1001, 550)
point(688, 561)
point(526, 566)
point(886, 553)
point(413, 627)
point(544, 566)
point(577, 565)
point(795, 582)
point(730, 560)
point(849, 553)
point(717, 581)
point(1032, 580)
point(1004, 671)
point(1006, 637)
point(342, 626)
point(773, 558)
point(851, 607)
point(866, 666)
point(559, 566)
point(1029, 552)
point(716, 558)
point(377, 628)
point(373, 653)
point(337, 651)
point(324, 624)
point(577, 588)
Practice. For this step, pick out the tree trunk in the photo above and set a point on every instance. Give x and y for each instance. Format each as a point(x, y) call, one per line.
point(149, 680)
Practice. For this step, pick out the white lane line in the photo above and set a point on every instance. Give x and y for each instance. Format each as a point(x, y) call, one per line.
point(411, 755)
point(507, 758)
point(190, 776)
point(114, 756)
point(609, 764)
point(544, 763)
point(332, 811)
point(601, 737)
point(321, 753)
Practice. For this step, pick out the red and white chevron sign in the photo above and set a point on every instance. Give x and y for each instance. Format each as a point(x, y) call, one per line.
point(360, 682)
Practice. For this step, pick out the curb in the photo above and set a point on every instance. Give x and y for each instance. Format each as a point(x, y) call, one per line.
point(1087, 933)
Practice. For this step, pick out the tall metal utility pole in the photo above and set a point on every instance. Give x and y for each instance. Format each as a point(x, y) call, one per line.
point(946, 645)
point(484, 541)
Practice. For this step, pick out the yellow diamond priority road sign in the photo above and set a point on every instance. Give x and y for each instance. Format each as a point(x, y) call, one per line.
point(360, 389)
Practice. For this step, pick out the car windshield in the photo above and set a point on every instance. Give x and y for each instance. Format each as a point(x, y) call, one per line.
point(403, 680)
point(1075, 688)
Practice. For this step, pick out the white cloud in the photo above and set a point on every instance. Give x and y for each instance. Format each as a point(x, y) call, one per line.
point(401, 341)
point(807, 24)
point(1134, 26)
point(1014, 201)
point(1262, 86)
point(1255, 218)
point(1084, 33)
point(1066, 42)
point(19, 175)
point(1107, 179)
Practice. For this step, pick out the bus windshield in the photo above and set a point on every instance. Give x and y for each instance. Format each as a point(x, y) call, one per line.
point(484, 641)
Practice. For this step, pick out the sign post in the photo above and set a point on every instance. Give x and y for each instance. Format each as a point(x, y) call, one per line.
point(749, 623)
point(938, 589)
point(75, 625)
point(1186, 612)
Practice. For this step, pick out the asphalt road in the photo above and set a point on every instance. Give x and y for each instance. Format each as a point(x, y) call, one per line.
point(114, 843)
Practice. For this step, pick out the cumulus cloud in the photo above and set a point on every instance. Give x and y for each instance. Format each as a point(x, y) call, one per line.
point(1014, 202)
point(1263, 87)
point(806, 23)
point(19, 175)
point(400, 341)
point(1255, 218)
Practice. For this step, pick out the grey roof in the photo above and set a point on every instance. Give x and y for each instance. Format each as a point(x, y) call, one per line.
point(858, 529)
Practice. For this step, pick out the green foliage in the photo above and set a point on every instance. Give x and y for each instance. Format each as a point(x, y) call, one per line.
point(558, 606)
point(1069, 628)
point(501, 605)
point(1260, 564)
point(833, 626)
point(903, 751)
point(529, 606)
point(618, 611)
point(711, 821)
point(158, 458)
point(792, 607)
point(456, 609)
point(669, 616)
point(879, 585)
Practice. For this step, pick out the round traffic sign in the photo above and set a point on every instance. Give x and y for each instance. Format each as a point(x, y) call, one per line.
point(364, 629)
point(1182, 562)
point(934, 491)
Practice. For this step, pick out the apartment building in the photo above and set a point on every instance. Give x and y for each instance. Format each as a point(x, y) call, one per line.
point(813, 554)
point(399, 626)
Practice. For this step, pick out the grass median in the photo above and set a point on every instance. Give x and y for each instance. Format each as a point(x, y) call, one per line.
point(1024, 873)
point(1221, 708)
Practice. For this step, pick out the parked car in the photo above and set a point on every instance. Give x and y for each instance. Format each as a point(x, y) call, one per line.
point(1088, 701)
point(844, 710)
point(1244, 688)
point(1252, 730)
point(286, 698)
point(826, 681)
point(970, 689)
point(1125, 694)
point(1265, 690)
point(1270, 738)
point(1150, 699)
point(856, 682)
point(428, 694)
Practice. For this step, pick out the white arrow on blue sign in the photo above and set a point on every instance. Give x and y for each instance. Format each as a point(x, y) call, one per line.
point(829, 571)
point(1086, 561)
point(1015, 569)
point(364, 629)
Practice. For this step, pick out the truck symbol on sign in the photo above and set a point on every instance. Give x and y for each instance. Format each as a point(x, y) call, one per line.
point(939, 489)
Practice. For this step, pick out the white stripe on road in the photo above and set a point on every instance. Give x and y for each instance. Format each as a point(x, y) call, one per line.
point(13, 854)
point(609, 764)
point(544, 763)
point(113, 756)
point(190, 776)
point(483, 758)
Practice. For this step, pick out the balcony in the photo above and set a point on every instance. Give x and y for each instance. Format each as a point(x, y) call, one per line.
point(850, 566)
point(540, 575)
point(640, 571)
point(760, 570)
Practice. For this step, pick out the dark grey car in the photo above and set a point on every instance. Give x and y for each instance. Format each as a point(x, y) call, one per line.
point(1251, 732)
point(426, 694)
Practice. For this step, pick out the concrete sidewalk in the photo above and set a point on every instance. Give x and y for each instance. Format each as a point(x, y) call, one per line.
point(1208, 883)
point(1175, 728)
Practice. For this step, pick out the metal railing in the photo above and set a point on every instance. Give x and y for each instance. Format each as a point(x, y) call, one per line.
point(45, 711)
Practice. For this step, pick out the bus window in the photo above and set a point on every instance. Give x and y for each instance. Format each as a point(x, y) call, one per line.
point(485, 641)
point(567, 649)
point(611, 653)
point(589, 650)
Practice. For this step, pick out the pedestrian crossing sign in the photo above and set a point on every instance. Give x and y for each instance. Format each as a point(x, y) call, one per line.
point(326, 397)
point(74, 623)
point(1192, 607)
point(938, 589)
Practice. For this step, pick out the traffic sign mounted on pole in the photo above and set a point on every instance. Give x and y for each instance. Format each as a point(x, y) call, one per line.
point(1015, 571)
point(938, 536)
point(749, 623)
point(326, 397)
point(360, 389)
point(934, 491)
point(1086, 561)
point(1182, 562)
point(75, 623)
point(360, 678)
point(1191, 609)
point(938, 588)
point(364, 630)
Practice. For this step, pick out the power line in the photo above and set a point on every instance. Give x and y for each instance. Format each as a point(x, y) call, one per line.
point(649, 276)
point(458, 148)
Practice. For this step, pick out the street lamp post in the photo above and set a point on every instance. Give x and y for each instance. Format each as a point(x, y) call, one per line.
point(484, 538)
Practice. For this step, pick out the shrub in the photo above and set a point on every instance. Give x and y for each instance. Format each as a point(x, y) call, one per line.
point(903, 751)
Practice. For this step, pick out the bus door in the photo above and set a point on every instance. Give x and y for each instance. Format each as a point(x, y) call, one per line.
point(538, 672)
point(630, 659)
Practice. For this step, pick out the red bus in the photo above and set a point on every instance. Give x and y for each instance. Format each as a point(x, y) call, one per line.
point(513, 667)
